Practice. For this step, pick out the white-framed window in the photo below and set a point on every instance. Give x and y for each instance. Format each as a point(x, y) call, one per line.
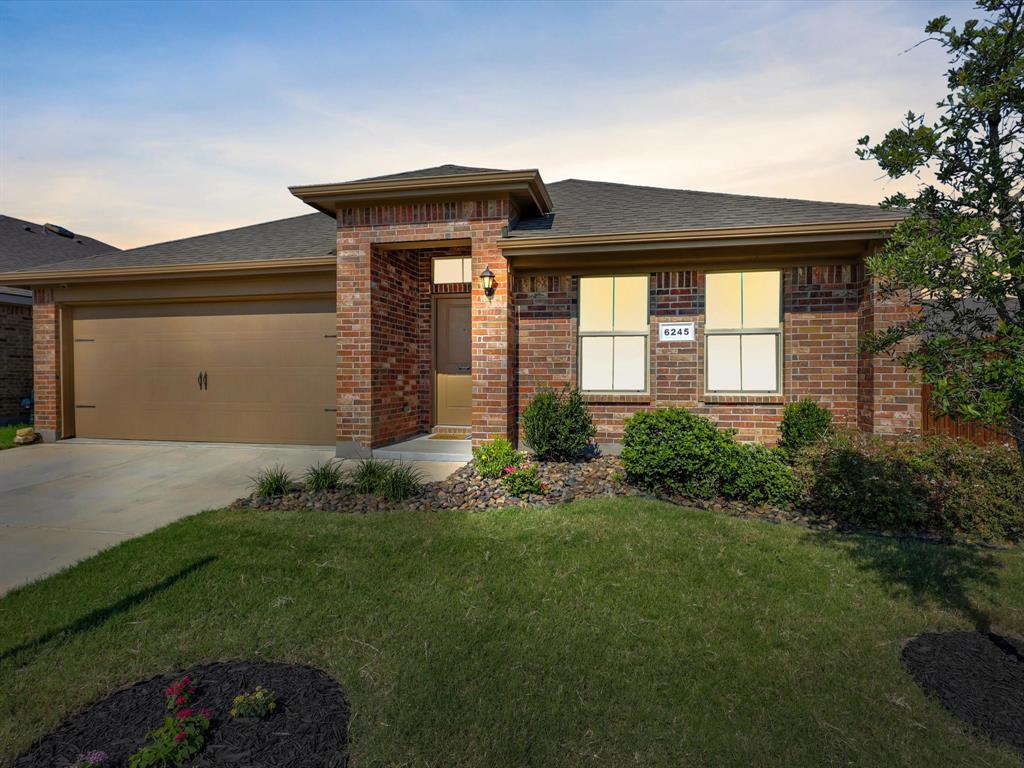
point(743, 332)
point(613, 333)
point(452, 269)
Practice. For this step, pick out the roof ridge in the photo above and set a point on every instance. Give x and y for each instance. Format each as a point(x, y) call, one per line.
point(717, 194)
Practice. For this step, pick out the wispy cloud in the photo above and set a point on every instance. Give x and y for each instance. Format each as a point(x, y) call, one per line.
point(759, 99)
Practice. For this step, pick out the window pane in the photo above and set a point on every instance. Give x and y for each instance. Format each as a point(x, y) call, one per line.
point(631, 303)
point(759, 361)
point(596, 363)
point(723, 363)
point(448, 271)
point(761, 299)
point(722, 300)
point(595, 303)
point(630, 363)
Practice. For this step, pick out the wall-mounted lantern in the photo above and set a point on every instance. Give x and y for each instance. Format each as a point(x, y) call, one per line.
point(487, 281)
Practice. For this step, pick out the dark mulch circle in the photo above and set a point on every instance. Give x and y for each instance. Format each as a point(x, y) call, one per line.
point(978, 677)
point(308, 728)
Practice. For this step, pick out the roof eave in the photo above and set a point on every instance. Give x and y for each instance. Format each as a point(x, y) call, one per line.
point(46, 277)
point(631, 241)
point(524, 185)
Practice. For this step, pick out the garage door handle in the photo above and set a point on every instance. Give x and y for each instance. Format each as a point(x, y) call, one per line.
point(200, 379)
point(206, 383)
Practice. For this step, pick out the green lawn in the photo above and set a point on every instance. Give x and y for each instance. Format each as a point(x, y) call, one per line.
point(7, 435)
point(602, 633)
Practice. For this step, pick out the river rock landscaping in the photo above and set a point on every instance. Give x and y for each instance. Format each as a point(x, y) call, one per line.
point(308, 727)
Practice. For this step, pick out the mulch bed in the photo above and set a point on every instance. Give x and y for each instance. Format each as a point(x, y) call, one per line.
point(978, 677)
point(308, 728)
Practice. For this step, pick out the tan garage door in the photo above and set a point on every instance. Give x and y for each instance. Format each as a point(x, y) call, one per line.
point(244, 372)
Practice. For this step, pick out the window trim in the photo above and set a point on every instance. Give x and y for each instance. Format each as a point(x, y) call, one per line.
point(581, 334)
point(777, 331)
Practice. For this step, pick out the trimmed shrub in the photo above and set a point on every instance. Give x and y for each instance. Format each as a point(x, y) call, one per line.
point(934, 485)
point(557, 425)
point(672, 450)
point(492, 458)
point(759, 475)
point(803, 423)
point(323, 476)
point(271, 481)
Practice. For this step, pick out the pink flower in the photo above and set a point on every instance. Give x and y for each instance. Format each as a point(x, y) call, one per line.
point(186, 712)
point(179, 737)
point(509, 470)
point(180, 700)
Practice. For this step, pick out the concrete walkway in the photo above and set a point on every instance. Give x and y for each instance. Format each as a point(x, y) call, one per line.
point(62, 502)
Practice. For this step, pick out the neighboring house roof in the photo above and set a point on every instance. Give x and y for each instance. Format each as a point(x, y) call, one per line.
point(26, 245)
point(598, 207)
point(311, 235)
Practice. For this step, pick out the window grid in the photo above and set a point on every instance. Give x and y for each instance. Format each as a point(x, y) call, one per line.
point(644, 334)
point(775, 331)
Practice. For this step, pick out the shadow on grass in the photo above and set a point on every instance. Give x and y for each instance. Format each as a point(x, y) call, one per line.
point(101, 615)
point(927, 572)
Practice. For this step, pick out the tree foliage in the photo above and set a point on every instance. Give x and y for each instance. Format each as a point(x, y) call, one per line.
point(958, 252)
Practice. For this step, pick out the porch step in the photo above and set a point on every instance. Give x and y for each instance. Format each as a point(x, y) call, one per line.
point(426, 448)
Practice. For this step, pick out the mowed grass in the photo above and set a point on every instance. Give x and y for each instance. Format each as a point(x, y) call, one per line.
point(609, 633)
point(7, 434)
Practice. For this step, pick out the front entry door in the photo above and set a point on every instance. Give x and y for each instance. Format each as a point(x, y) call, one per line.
point(453, 385)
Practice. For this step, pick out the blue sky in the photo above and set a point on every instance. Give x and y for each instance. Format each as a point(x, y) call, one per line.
point(141, 122)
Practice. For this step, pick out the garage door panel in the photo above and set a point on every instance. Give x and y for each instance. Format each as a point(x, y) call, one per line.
point(269, 371)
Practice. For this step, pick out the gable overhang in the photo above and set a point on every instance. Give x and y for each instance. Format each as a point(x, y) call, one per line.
point(674, 246)
point(525, 188)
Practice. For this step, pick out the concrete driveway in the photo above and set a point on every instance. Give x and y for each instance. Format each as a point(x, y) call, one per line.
point(62, 502)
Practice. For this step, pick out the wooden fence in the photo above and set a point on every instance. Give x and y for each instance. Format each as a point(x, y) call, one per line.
point(965, 430)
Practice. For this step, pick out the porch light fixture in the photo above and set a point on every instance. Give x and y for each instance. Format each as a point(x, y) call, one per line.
point(487, 281)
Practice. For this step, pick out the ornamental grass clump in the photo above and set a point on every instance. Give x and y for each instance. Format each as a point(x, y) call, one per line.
point(492, 458)
point(259, 703)
point(401, 482)
point(368, 475)
point(324, 476)
point(271, 481)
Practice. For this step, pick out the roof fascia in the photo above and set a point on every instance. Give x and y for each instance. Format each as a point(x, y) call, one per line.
point(221, 268)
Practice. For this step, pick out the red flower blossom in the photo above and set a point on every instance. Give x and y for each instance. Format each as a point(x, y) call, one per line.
point(180, 700)
point(179, 737)
point(186, 712)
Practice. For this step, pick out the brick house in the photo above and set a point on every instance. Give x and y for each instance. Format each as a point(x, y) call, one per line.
point(370, 322)
point(26, 245)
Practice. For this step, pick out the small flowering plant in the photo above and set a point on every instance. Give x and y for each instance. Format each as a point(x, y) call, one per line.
point(521, 481)
point(176, 741)
point(180, 693)
point(260, 703)
point(92, 759)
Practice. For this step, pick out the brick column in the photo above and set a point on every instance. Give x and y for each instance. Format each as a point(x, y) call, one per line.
point(888, 394)
point(354, 386)
point(493, 339)
point(46, 364)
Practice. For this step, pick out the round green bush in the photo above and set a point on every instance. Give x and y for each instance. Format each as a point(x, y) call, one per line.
point(672, 450)
point(558, 426)
point(759, 475)
point(491, 458)
point(803, 423)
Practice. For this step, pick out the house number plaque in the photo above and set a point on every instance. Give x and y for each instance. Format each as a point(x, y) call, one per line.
point(675, 331)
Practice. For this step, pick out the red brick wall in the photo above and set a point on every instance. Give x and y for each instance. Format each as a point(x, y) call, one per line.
point(378, 403)
point(819, 340)
point(46, 353)
point(889, 400)
point(15, 359)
